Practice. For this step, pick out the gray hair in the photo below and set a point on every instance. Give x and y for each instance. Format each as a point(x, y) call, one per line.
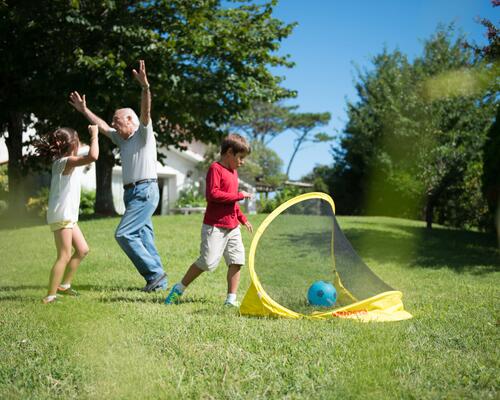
point(133, 115)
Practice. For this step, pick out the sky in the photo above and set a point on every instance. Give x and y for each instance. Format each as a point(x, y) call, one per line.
point(334, 35)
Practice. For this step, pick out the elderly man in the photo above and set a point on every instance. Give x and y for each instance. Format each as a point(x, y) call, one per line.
point(136, 141)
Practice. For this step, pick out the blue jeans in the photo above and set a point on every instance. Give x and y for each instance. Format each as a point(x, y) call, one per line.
point(135, 233)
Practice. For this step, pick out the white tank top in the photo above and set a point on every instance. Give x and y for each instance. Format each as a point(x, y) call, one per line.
point(64, 198)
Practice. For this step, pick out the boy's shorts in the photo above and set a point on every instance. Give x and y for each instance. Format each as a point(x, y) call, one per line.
point(62, 225)
point(217, 242)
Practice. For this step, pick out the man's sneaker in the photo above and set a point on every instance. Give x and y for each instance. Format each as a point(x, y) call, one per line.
point(156, 283)
point(228, 303)
point(68, 291)
point(47, 300)
point(174, 295)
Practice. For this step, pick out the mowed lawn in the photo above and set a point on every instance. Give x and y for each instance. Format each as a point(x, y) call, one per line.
point(115, 342)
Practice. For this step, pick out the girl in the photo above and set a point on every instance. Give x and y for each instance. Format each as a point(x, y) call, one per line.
point(62, 147)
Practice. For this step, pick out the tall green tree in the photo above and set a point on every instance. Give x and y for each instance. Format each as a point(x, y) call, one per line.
point(304, 125)
point(206, 62)
point(489, 57)
point(412, 144)
point(34, 47)
point(263, 121)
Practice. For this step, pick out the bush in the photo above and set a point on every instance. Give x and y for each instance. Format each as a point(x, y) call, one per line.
point(191, 197)
point(87, 202)
point(287, 193)
point(4, 178)
point(38, 204)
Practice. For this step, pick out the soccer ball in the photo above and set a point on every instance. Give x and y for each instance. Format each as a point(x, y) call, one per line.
point(322, 294)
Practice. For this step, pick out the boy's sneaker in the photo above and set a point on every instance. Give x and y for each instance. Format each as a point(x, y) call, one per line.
point(228, 303)
point(67, 291)
point(174, 295)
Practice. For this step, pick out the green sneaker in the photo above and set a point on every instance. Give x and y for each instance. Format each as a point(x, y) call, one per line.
point(174, 295)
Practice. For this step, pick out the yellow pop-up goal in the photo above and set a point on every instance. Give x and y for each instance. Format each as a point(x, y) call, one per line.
point(300, 243)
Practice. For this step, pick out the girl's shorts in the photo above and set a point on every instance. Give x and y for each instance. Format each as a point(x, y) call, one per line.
point(62, 225)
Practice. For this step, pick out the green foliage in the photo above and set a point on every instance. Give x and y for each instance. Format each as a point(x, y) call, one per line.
point(191, 196)
point(282, 196)
point(304, 124)
point(39, 203)
point(413, 142)
point(263, 121)
point(263, 165)
point(87, 202)
point(206, 60)
point(4, 180)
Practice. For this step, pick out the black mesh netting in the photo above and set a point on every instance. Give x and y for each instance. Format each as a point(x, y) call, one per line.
point(295, 251)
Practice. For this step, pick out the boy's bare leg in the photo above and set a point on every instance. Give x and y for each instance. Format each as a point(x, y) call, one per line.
point(63, 239)
point(233, 278)
point(81, 250)
point(191, 274)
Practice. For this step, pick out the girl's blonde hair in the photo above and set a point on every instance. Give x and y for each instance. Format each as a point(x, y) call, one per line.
point(59, 143)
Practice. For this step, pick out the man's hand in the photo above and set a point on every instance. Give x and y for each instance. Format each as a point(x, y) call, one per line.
point(249, 226)
point(141, 75)
point(247, 195)
point(80, 105)
point(78, 102)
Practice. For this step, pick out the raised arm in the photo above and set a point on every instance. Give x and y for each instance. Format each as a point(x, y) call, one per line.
point(93, 155)
point(142, 78)
point(80, 105)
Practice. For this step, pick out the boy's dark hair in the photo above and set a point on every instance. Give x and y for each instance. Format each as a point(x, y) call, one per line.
point(56, 144)
point(235, 142)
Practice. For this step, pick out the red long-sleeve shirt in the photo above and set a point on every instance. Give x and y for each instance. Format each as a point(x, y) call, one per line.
point(222, 196)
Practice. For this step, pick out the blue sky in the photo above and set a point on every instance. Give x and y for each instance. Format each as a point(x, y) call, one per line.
point(333, 34)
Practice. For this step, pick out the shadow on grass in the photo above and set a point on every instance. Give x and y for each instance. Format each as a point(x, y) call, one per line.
point(125, 299)
point(390, 242)
point(147, 299)
point(22, 287)
point(462, 251)
point(111, 288)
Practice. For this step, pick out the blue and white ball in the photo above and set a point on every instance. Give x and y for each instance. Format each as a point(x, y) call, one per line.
point(322, 294)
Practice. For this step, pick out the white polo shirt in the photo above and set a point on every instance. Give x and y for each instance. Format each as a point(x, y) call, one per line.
point(137, 153)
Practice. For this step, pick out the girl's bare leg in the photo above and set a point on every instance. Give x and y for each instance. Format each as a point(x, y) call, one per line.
point(81, 250)
point(63, 239)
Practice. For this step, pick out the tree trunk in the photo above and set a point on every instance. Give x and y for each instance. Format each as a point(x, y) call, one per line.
point(14, 142)
point(429, 211)
point(104, 173)
point(295, 150)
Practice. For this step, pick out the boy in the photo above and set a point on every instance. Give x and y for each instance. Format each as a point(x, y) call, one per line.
point(220, 233)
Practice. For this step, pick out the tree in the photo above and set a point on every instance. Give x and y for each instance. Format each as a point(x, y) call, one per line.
point(263, 165)
point(413, 138)
point(489, 57)
point(303, 124)
point(206, 63)
point(33, 48)
point(263, 121)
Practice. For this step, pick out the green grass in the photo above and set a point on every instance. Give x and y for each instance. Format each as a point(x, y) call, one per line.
point(114, 342)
